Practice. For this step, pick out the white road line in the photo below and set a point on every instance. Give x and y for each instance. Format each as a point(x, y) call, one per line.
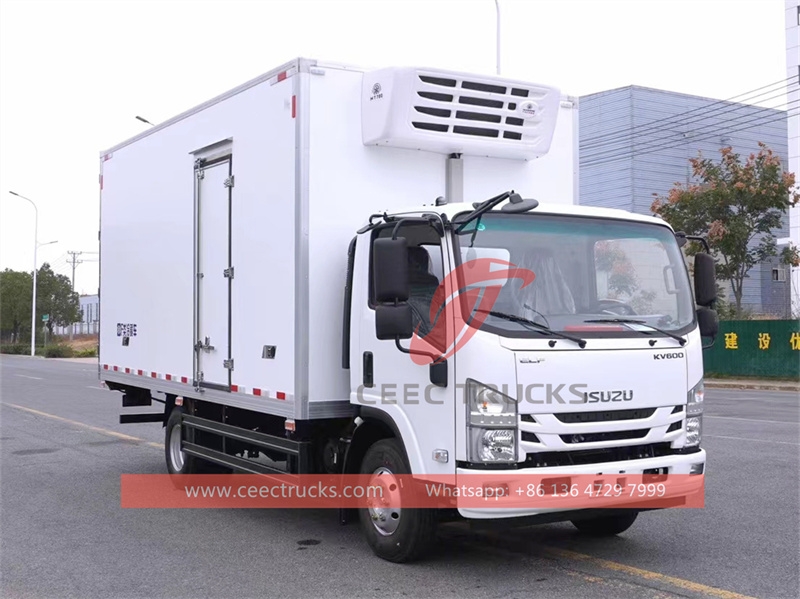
point(101, 388)
point(754, 440)
point(36, 378)
point(753, 420)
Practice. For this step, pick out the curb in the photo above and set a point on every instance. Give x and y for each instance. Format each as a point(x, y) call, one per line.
point(756, 386)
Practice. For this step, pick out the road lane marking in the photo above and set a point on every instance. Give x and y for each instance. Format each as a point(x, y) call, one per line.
point(755, 440)
point(688, 585)
point(753, 420)
point(101, 388)
point(25, 376)
point(97, 429)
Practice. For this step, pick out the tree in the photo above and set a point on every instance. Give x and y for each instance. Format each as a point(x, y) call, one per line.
point(736, 206)
point(15, 303)
point(54, 297)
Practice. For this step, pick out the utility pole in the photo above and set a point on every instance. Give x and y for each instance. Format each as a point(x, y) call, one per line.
point(497, 9)
point(74, 261)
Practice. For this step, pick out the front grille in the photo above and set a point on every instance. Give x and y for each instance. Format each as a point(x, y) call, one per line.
point(608, 416)
point(549, 459)
point(597, 437)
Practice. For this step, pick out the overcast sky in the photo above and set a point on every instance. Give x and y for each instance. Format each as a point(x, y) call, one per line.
point(74, 74)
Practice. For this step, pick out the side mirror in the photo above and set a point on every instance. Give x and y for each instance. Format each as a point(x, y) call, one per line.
point(705, 280)
point(708, 322)
point(393, 321)
point(390, 270)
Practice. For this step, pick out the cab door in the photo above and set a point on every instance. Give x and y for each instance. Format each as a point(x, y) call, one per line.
point(386, 381)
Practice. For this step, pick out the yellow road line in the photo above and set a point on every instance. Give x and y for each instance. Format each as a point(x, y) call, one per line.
point(688, 585)
point(97, 429)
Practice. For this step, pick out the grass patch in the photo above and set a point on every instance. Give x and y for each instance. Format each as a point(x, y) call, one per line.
point(19, 349)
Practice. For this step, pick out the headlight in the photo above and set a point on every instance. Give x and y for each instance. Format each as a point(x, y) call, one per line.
point(694, 415)
point(694, 431)
point(492, 424)
point(694, 400)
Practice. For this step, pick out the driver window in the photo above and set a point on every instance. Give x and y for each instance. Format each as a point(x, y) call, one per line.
point(425, 273)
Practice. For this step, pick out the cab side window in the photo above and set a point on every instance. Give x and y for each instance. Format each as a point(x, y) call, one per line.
point(425, 266)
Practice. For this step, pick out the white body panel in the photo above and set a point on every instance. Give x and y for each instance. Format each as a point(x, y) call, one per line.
point(304, 183)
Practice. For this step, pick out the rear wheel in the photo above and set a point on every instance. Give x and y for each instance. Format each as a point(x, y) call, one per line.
point(394, 533)
point(607, 526)
point(178, 461)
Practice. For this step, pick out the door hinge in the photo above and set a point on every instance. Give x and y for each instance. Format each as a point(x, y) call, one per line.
point(229, 181)
point(228, 273)
point(228, 364)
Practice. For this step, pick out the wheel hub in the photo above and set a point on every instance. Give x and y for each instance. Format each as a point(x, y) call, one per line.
point(176, 454)
point(385, 518)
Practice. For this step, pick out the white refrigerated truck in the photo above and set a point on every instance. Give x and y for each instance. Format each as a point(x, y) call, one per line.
point(266, 256)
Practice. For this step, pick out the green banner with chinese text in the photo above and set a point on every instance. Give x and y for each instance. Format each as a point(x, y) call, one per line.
point(755, 348)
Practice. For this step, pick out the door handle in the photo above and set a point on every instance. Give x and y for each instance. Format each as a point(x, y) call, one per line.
point(205, 346)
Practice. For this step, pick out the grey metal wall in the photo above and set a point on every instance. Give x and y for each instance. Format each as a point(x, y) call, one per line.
point(636, 141)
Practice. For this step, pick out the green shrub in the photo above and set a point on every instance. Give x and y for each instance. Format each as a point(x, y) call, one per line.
point(89, 352)
point(15, 348)
point(58, 351)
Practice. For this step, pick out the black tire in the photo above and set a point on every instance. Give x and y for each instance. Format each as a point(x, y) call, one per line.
point(415, 529)
point(606, 526)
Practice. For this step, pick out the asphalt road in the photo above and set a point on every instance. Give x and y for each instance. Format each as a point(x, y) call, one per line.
point(64, 533)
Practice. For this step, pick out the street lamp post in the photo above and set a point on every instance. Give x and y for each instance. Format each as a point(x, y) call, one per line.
point(497, 7)
point(36, 246)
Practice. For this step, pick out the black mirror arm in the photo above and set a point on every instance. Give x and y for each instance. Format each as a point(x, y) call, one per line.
point(699, 238)
point(416, 352)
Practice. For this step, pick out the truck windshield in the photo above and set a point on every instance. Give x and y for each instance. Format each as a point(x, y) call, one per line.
point(572, 270)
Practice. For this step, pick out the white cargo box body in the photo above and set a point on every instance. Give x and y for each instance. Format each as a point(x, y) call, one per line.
point(228, 226)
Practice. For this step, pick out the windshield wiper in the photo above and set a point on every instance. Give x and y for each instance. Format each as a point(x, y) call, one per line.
point(543, 329)
point(642, 322)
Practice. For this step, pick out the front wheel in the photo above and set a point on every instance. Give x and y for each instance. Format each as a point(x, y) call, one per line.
point(606, 526)
point(395, 534)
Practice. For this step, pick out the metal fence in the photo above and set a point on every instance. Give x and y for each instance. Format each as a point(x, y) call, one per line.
point(79, 328)
point(755, 348)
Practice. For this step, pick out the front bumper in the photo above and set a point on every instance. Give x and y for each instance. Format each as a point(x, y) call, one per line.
point(686, 484)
